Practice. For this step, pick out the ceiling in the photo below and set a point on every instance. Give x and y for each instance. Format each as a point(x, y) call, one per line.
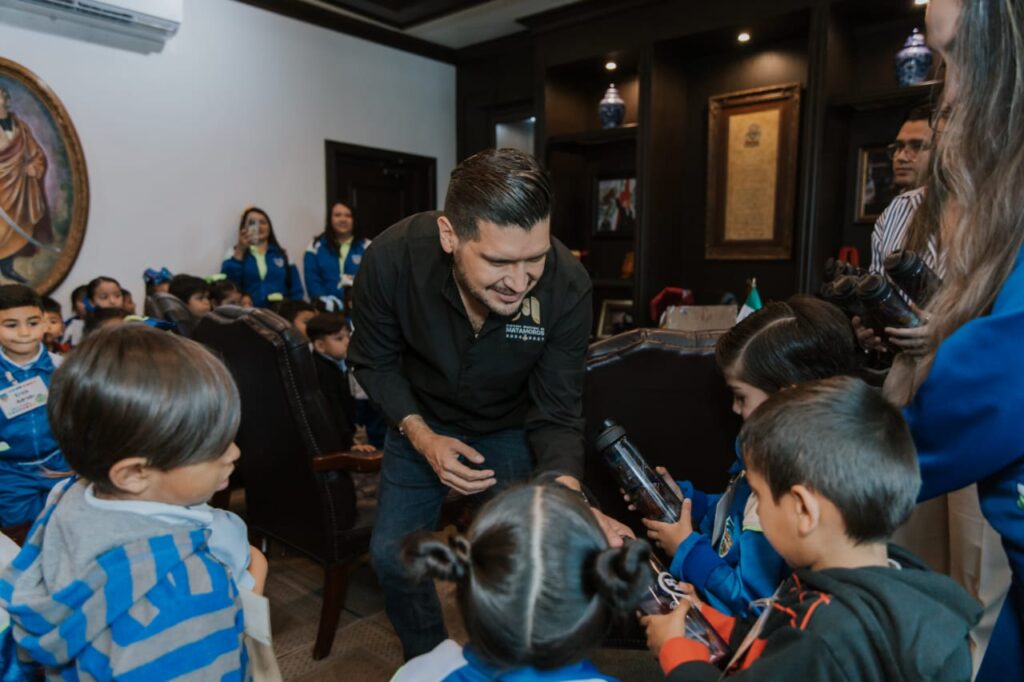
point(451, 24)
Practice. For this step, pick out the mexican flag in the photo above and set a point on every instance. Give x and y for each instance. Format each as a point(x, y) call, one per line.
point(752, 304)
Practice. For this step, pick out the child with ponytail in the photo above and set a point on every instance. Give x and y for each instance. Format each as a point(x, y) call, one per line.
point(538, 588)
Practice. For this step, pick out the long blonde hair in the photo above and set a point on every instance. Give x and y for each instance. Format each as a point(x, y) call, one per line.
point(978, 178)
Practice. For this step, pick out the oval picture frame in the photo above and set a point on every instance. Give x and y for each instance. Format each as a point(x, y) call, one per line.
point(44, 184)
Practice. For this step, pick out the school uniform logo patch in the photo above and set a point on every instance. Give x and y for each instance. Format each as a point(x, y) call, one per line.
point(520, 328)
point(279, 262)
point(727, 537)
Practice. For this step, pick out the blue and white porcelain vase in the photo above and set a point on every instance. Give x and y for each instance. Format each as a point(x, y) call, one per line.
point(612, 109)
point(914, 61)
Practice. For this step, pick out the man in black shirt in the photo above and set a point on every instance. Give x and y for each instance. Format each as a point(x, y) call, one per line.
point(471, 328)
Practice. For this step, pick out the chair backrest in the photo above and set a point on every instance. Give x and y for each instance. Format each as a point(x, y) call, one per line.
point(170, 308)
point(285, 423)
point(663, 387)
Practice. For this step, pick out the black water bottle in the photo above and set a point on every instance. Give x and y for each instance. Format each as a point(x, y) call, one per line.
point(646, 489)
point(843, 293)
point(911, 274)
point(883, 307)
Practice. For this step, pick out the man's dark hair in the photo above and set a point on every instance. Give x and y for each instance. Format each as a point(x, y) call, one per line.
point(842, 439)
point(19, 296)
point(537, 583)
point(325, 324)
point(185, 287)
point(50, 305)
point(134, 390)
point(289, 309)
point(922, 112)
point(77, 294)
point(504, 186)
point(97, 316)
point(788, 342)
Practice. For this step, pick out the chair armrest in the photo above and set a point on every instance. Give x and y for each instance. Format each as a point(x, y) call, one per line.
point(362, 462)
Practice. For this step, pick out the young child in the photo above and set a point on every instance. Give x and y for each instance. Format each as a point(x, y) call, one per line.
point(157, 281)
point(129, 574)
point(53, 338)
point(128, 303)
point(103, 292)
point(538, 587)
point(74, 326)
point(328, 332)
point(834, 469)
point(298, 313)
point(28, 451)
point(224, 292)
point(717, 545)
point(193, 292)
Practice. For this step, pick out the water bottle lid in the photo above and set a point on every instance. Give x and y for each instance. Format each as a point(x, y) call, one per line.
point(873, 287)
point(900, 262)
point(610, 432)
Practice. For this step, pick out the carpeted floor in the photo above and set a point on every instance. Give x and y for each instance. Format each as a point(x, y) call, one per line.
point(365, 647)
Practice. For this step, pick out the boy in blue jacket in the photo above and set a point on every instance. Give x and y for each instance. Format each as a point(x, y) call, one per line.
point(28, 450)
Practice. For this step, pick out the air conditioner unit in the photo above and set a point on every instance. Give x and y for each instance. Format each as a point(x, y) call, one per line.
point(147, 23)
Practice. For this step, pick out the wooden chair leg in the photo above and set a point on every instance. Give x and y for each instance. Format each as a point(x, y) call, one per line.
point(335, 587)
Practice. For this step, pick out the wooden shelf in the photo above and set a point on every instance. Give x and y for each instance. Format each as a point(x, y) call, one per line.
point(885, 99)
point(624, 133)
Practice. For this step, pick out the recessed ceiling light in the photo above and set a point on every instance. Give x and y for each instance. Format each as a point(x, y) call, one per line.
point(920, 2)
point(611, 66)
point(743, 37)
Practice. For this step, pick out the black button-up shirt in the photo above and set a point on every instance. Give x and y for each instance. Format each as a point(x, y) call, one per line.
point(414, 350)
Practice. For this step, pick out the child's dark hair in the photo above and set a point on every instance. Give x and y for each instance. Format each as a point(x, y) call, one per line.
point(842, 439)
point(77, 294)
point(90, 288)
point(221, 290)
point(787, 343)
point(96, 317)
point(186, 286)
point(537, 583)
point(289, 309)
point(19, 296)
point(50, 305)
point(134, 390)
point(325, 324)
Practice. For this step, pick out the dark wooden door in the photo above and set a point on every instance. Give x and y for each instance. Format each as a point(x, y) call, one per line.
point(380, 186)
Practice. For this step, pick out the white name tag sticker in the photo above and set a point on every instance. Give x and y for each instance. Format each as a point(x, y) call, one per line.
point(23, 397)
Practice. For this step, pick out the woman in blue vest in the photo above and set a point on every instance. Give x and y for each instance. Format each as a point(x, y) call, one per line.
point(258, 264)
point(333, 258)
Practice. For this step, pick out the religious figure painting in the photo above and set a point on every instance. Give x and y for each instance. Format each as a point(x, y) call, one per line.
point(44, 186)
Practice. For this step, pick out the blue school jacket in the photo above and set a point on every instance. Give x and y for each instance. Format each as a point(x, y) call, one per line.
point(966, 420)
point(734, 567)
point(323, 271)
point(246, 275)
point(27, 437)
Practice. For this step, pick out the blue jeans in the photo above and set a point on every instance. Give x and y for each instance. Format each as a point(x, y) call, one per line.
point(409, 500)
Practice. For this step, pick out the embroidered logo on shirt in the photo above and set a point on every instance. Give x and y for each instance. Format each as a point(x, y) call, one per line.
point(530, 312)
point(727, 537)
point(279, 262)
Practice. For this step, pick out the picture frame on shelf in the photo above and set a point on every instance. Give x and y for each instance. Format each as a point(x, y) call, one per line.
point(875, 183)
point(615, 205)
point(753, 143)
point(616, 316)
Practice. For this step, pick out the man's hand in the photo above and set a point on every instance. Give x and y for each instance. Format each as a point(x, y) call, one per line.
point(443, 455)
point(614, 531)
point(660, 629)
point(669, 536)
point(363, 447)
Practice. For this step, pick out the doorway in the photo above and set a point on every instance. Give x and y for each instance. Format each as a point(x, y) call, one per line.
point(380, 186)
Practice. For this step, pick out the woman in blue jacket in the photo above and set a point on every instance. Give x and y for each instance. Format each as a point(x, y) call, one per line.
point(333, 258)
point(258, 264)
point(966, 398)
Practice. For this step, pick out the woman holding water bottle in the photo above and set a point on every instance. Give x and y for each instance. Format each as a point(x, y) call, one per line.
point(258, 264)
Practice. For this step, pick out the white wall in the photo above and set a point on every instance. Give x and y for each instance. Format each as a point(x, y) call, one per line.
point(233, 112)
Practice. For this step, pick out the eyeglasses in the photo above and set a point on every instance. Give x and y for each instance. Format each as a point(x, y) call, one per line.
point(912, 147)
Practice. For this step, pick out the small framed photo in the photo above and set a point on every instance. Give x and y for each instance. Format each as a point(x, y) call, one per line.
point(875, 188)
point(615, 205)
point(616, 317)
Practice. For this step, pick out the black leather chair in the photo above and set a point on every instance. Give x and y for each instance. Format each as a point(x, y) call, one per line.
point(664, 388)
point(295, 463)
point(170, 308)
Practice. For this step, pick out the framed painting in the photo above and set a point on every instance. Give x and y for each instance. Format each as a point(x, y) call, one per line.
point(615, 205)
point(753, 138)
point(875, 188)
point(616, 317)
point(44, 186)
